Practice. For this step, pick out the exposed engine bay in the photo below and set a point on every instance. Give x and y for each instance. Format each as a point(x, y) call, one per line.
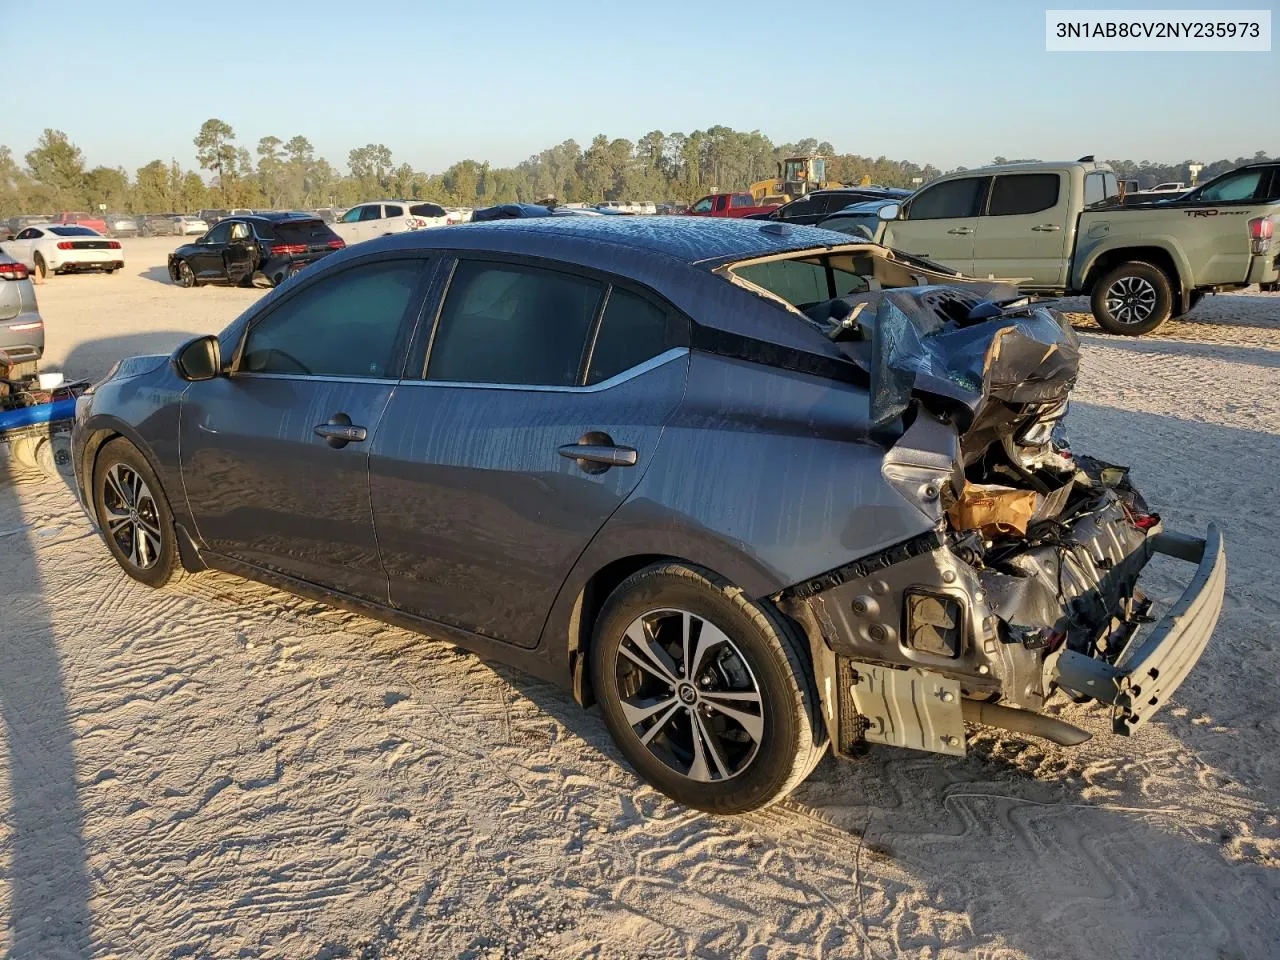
point(1028, 583)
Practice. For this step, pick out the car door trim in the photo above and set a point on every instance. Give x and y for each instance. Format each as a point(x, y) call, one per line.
point(667, 356)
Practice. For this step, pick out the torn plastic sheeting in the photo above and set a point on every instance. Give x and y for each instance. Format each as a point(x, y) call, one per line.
point(1019, 358)
point(993, 509)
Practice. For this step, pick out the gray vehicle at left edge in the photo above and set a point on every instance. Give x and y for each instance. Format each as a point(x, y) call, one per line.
point(754, 489)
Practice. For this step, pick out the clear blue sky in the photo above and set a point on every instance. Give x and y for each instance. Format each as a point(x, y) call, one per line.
point(943, 82)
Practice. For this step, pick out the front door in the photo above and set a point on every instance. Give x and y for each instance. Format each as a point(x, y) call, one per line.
point(206, 262)
point(240, 253)
point(1022, 235)
point(940, 222)
point(543, 404)
point(275, 455)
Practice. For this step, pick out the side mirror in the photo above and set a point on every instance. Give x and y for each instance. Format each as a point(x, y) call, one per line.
point(199, 359)
point(890, 211)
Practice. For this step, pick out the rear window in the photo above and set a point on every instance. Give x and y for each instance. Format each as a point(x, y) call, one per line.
point(73, 231)
point(427, 210)
point(297, 231)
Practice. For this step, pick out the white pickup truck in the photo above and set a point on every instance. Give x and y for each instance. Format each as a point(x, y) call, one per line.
point(379, 218)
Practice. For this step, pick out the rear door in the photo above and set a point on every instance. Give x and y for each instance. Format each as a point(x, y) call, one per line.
point(542, 405)
point(275, 455)
point(941, 221)
point(1022, 234)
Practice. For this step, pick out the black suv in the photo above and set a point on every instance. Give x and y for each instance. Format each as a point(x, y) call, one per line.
point(240, 249)
point(820, 204)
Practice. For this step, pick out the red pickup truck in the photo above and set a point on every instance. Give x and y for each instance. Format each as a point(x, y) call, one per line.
point(728, 205)
point(82, 220)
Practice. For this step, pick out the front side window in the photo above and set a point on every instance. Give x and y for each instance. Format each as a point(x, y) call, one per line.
point(1022, 193)
point(949, 200)
point(703, 205)
point(632, 331)
point(512, 324)
point(346, 325)
point(219, 234)
point(1239, 186)
point(352, 215)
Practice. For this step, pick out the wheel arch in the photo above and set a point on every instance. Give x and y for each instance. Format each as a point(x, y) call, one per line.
point(1161, 257)
point(573, 615)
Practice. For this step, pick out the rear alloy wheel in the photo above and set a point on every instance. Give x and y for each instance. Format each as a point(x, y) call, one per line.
point(42, 269)
point(186, 277)
point(708, 693)
point(133, 514)
point(1132, 299)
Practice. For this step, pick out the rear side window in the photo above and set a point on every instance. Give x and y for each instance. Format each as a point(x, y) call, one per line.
point(741, 200)
point(632, 331)
point(427, 210)
point(371, 212)
point(346, 325)
point(511, 324)
point(799, 208)
point(1023, 193)
point(955, 198)
point(394, 211)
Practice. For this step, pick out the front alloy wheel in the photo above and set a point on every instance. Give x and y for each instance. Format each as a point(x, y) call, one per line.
point(133, 514)
point(186, 278)
point(133, 520)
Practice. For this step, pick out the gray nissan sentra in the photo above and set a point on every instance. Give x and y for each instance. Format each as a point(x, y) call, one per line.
point(752, 488)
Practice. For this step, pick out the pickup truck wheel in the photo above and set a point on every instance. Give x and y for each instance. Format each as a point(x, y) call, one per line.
point(1132, 299)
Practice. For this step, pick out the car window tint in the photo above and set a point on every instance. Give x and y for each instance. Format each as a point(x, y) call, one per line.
point(1023, 193)
point(73, 231)
point(394, 211)
point(955, 198)
point(741, 200)
point(1094, 189)
point(503, 323)
point(702, 206)
point(219, 234)
point(796, 281)
point(371, 212)
point(345, 325)
point(427, 210)
point(798, 208)
point(1241, 186)
point(239, 231)
point(352, 215)
point(632, 331)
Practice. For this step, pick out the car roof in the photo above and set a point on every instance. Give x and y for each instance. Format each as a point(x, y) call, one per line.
point(691, 240)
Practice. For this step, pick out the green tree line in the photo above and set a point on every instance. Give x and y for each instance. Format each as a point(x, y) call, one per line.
point(286, 174)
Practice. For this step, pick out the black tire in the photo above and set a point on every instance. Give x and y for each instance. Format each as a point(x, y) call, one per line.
point(185, 276)
point(153, 565)
point(763, 651)
point(1132, 299)
point(42, 268)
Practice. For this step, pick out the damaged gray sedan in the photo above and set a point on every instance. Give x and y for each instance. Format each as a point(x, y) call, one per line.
point(753, 489)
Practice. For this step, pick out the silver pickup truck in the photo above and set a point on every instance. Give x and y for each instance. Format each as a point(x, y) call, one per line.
point(1061, 228)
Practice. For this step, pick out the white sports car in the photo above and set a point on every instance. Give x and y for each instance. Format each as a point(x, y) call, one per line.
point(50, 248)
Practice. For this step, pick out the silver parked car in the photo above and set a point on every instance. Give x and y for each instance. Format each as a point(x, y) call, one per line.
point(752, 488)
point(21, 326)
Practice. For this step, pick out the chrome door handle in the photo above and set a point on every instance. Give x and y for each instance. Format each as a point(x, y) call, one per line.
point(597, 453)
point(340, 431)
point(1048, 227)
point(962, 231)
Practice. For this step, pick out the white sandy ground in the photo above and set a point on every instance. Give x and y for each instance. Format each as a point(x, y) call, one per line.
point(222, 770)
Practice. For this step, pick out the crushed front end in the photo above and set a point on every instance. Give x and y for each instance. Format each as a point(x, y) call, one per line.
point(1029, 582)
